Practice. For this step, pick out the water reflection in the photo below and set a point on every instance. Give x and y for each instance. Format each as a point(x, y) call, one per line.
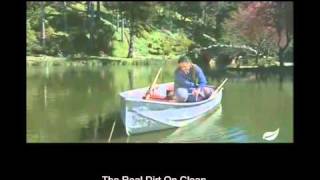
point(130, 75)
point(281, 76)
point(207, 129)
point(99, 128)
point(81, 104)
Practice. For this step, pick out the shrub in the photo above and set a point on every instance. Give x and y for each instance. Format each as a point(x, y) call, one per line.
point(32, 41)
point(119, 49)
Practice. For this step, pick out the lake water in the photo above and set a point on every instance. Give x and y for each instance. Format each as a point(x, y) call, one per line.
point(81, 105)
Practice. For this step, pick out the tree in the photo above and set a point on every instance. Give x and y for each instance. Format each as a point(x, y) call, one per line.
point(284, 26)
point(264, 25)
point(43, 27)
point(249, 24)
point(223, 12)
point(138, 14)
point(115, 6)
point(279, 15)
point(191, 10)
point(91, 25)
point(33, 21)
point(206, 18)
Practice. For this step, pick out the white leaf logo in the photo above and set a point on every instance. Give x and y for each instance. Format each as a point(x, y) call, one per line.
point(270, 136)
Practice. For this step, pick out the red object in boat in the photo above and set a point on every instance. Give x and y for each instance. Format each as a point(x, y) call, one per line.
point(156, 94)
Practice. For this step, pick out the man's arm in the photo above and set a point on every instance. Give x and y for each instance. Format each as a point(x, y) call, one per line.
point(201, 77)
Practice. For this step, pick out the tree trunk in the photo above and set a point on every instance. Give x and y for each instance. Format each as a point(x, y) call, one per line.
point(66, 28)
point(218, 29)
point(257, 59)
point(117, 20)
point(65, 16)
point(203, 16)
point(43, 28)
point(131, 43)
point(132, 33)
point(88, 7)
point(90, 14)
point(88, 45)
point(281, 56)
point(122, 28)
point(282, 27)
point(98, 9)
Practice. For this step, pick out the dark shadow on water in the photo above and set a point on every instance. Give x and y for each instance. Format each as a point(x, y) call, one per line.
point(99, 129)
point(281, 76)
point(130, 75)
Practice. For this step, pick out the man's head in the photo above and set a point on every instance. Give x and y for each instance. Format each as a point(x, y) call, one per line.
point(185, 64)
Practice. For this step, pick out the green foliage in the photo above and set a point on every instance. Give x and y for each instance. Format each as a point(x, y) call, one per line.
point(142, 44)
point(159, 28)
point(32, 41)
point(181, 43)
point(79, 6)
point(167, 47)
point(75, 39)
point(119, 49)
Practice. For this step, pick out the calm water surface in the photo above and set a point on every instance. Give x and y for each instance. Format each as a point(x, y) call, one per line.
point(81, 104)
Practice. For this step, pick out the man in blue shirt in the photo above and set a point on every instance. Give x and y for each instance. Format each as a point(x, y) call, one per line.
point(190, 82)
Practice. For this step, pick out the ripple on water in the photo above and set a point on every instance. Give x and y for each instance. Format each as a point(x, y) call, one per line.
point(204, 130)
point(207, 130)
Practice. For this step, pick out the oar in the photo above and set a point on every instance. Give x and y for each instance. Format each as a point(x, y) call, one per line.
point(216, 90)
point(147, 95)
point(220, 87)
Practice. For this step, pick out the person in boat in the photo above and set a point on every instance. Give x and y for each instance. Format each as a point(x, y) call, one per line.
point(190, 83)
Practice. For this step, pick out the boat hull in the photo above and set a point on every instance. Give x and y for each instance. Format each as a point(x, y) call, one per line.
point(141, 116)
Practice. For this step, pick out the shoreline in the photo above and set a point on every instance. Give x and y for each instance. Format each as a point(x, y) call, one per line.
point(108, 60)
point(254, 68)
point(95, 60)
